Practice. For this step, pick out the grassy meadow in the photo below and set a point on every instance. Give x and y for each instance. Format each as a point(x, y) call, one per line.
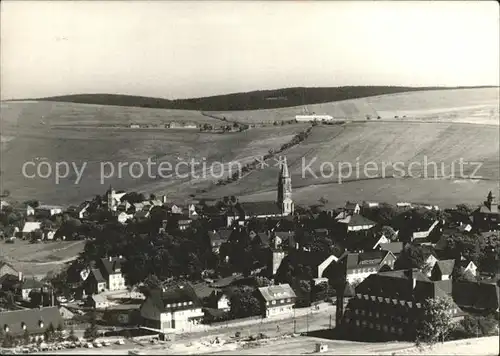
point(55, 132)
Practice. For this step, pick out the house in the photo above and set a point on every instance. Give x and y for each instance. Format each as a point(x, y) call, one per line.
point(184, 222)
point(30, 210)
point(219, 300)
point(123, 217)
point(28, 285)
point(7, 269)
point(487, 216)
point(421, 236)
point(469, 266)
point(175, 208)
point(192, 211)
point(66, 314)
point(277, 300)
point(127, 313)
point(29, 227)
point(49, 234)
point(430, 258)
point(217, 238)
point(358, 266)
point(394, 247)
point(79, 212)
point(143, 214)
point(442, 270)
point(111, 271)
point(172, 309)
point(95, 283)
point(32, 321)
point(317, 261)
point(390, 304)
point(98, 302)
point(3, 204)
point(355, 222)
point(48, 210)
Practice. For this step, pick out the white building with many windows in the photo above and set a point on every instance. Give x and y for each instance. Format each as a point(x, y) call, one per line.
point(277, 300)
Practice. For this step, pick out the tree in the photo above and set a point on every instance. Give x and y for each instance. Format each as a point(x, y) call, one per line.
point(59, 332)
point(412, 256)
point(389, 232)
point(323, 200)
point(26, 337)
point(72, 336)
point(243, 303)
point(49, 333)
point(437, 321)
point(91, 332)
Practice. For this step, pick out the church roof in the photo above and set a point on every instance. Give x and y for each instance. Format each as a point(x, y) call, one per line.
point(260, 208)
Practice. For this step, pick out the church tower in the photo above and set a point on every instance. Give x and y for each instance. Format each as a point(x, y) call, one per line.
point(285, 190)
point(111, 199)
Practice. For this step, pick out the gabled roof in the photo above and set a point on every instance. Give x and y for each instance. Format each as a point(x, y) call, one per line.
point(277, 292)
point(31, 226)
point(479, 296)
point(356, 220)
point(445, 267)
point(98, 275)
point(259, 208)
point(178, 297)
point(394, 247)
point(226, 281)
point(31, 318)
point(364, 259)
point(31, 283)
point(221, 235)
point(110, 267)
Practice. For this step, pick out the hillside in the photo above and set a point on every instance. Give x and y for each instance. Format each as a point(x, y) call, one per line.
point(262, 99)
point(77, 133)
point(384, 144)
point(465, 105)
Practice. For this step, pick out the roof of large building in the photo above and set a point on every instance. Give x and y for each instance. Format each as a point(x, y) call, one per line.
point(399, 285)
point(178, 297)
point(35, 320)
point(356, 220)
point(394, 247)
point(365, 259)
point(112, 264)
point(277, 292)
point(259, 208)
point(480, 296)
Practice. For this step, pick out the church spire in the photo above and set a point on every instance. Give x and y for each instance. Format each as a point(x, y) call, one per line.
point(285, 189)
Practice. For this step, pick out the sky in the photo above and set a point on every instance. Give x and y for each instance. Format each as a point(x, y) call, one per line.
point(173, 49)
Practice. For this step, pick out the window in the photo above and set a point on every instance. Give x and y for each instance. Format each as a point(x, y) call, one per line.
point(288, 300)
point(23, 325)
point(185, 303)
point(6, 328)
point(273, 302)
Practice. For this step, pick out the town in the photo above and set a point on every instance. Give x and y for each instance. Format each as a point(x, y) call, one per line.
point(161, 270)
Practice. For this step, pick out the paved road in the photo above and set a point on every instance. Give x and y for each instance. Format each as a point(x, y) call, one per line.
point(305, 320)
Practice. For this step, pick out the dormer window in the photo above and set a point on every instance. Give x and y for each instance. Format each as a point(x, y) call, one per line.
point(23, 325)
point(185, 303)
point(6, 328)
point(190, 303)
point(40, 323)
